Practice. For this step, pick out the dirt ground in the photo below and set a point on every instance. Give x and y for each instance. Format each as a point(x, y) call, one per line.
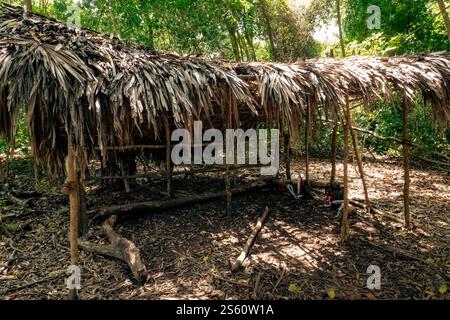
point(188, 251)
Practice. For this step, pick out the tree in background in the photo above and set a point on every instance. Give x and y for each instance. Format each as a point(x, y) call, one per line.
point(407, 26)
point(444, 13)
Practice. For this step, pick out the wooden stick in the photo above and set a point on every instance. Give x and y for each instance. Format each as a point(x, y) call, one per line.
point(169, 167)
point(74, 199)
point(307, 132)
point(345, 227)
point(228, 190)
point(125, 180)
point(406, 107)
point(83, 218)
point(360, 166)
point(120, 248)
point(334, 151)
point(251, 240)
point(287, 157)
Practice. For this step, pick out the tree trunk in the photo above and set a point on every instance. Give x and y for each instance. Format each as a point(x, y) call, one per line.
point(273, 50)
point(28, 6)
point(444, 13)
point(234, 41)
point(406, 108)
point(250, 45)
point(341, 33)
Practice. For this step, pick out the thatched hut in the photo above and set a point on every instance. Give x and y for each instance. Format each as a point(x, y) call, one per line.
point(86, 94)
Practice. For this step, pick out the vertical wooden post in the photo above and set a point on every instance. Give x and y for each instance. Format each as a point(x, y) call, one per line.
point(74, 209)
point(345, 228)
point(287, 156)
point(124, 176)
point(307, 132)
point(228, 190)
point(82, 219)
point(406, 108)
point(360, 165)
point(334, 151)
point(228, 125)
point(168, 157)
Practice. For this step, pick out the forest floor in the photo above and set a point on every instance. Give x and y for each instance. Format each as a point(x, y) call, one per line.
point(188, 251)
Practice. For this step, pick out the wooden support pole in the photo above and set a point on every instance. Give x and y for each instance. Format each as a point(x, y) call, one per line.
point(334, 151)
point(307, 134)
point(74, 199)
point(125, 180)
point(228, 191)
point(345, 228)
point(169, 167)
point(287, 154)
point(406, 108)
point(83, 218)
point(360, 165)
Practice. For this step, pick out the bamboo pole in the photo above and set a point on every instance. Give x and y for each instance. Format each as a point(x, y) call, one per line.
point(74, 209)
point(345, 228)
point(406, 108)
point(169, 167)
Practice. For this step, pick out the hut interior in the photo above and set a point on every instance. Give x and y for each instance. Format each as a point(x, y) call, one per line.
point(102, 109)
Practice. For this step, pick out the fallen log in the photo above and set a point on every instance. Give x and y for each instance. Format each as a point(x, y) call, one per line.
point(251, 240)
point(120, 248)
point(164, 205)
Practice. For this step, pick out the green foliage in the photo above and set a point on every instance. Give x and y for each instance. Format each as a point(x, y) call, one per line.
point(22, 142)
point(407, 26)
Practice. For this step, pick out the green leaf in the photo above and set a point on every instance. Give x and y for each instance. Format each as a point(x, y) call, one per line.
point(429, 261)
point(443, 289)
point(294, 288)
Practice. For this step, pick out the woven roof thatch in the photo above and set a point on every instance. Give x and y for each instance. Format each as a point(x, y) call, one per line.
point(286, 90)
point(94, 86)
point(101, 91)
